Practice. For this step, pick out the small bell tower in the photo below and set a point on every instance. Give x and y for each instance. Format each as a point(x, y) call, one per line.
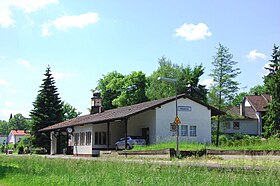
point(96, 105)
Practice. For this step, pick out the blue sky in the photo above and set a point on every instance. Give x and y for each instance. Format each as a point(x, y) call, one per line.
point(82, 40)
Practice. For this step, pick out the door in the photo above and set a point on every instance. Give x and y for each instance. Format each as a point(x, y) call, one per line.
point(145, 135)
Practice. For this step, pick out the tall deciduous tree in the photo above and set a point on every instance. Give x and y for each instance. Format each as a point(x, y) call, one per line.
point(187, 81)
point(109, 88)
point(18, 122)
point(160, 89)
point(47, 110)
point(69, 111)
point(225, 87)
point(119, 90)
point(272, 84)
point(133, 88)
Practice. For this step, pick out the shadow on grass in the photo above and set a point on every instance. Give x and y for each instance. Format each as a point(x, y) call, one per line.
point(5, 170)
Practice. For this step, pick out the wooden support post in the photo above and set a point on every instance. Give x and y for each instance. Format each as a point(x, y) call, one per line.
point(108, 135)
point(125, 129)
point(58, 143)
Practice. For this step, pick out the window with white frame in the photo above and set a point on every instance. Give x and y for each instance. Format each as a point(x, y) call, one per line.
point(88, 138)
point(82, 138)
point(193, 130)
point(184, 130)
point(100, 138)
point(76, 138)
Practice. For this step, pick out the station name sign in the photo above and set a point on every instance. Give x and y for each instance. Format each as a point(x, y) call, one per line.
point(185, 108)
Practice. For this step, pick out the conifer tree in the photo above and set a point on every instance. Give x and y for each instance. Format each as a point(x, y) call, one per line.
point(225, 87)
point(47, 110)
point(272, 84)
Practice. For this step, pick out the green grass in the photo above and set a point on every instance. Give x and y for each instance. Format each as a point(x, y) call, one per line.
point(27, 170)
point(172, 144)
point(243, 144)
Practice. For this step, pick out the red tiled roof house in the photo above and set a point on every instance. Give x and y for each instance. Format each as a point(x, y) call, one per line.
point(248, 115)
point(16, 135)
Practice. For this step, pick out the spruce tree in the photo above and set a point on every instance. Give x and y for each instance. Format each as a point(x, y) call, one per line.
point(47, 110)
point(272, 85)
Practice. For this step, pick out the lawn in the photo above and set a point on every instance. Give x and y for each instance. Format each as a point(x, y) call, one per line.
point(31, 170)
point(250, 143)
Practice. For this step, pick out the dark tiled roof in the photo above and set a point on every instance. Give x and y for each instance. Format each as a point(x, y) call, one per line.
point(249, 112)
point(122, 113)
point(259, 103)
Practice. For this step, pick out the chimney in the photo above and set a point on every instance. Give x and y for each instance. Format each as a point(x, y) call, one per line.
point(242, 108)
point(96, 106)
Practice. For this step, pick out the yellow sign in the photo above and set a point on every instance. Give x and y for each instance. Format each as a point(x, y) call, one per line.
point(177, 120)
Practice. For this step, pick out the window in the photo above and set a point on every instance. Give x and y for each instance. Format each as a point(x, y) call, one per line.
point(88, 138)
point(236, 126)
point(184, 130)
point(76, 138)
point(192, 130)
point(82, 138)
point(100, 138)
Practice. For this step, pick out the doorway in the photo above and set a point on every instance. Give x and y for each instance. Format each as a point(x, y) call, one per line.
point(145, 135)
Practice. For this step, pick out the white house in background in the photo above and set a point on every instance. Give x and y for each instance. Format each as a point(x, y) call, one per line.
point(3, 139)
point(249, 115)
point(16, 135)
point(151, 120)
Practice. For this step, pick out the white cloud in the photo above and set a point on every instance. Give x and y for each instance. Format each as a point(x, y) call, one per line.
point(6, 19)
point(28, 6)
point(26, 64)
point(9, 103)
point(253, 55)
point(31, 5)
point(66, 22)
point(207, 82)
point(60, 75)
point(192, 32)
point(4, 82)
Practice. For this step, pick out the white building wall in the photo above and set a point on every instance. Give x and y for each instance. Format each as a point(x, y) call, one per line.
point(84, 149)
point(117, 131)
point(53, 143)
point(247, 104)
point(146, 119)
point(199, 116)
point(245, 127)
point(11, 139)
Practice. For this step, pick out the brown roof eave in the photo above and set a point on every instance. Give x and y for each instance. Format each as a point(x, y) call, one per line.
point(79, 124)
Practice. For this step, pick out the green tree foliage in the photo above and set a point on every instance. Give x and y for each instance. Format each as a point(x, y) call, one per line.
point(47, 110)
point(119, 90)
point(109, 88)
point(4, 125)
point(69, 111)
point(18, 122)
point(256, 90)
point(225, 87)
point(187, 81)
point(133, 88)
point(160, 89)
point(239, 98)
point(272, 84)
